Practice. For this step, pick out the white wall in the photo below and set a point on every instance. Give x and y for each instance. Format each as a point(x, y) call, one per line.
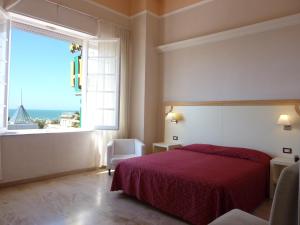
point(34, 155)
point(241, 126)
point(258, 66)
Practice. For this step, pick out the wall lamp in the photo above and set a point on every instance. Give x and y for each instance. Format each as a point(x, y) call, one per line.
point(172, 116)
point(284, 120)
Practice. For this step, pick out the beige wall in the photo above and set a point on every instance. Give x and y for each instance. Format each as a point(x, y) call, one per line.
point(137, 102)
point(153, 82)
point(145, 83)
point(215, 16)
point(258, 66)
point(33, 155)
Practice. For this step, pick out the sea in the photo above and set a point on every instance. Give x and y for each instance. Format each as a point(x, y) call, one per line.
point(43, 113)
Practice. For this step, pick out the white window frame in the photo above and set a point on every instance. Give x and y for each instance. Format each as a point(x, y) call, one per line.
point(118, 85)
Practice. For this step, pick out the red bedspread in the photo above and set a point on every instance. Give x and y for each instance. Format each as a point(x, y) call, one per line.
point(198, 182)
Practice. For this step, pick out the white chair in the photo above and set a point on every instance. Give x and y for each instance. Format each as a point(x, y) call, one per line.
point(120, 149)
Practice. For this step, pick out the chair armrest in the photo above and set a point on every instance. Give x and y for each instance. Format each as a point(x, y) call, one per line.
point(110, 152)
point(238, 217)
point(139, 147)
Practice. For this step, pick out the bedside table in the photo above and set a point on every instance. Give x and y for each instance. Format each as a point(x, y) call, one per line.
point(160, 147)
point(276, 166)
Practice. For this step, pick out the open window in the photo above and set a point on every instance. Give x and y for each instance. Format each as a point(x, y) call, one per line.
point(103, 79)
point(94, 74)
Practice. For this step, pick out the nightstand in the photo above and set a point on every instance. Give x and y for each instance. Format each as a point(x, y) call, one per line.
point(276, 166)
point(160, 147)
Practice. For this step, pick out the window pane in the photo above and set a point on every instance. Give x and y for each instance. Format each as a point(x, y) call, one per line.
point(110, 66)
point(2, 96)
point(2, 116)
point(92, 66)
point(109, 100)
point(110, 83)
point(91, 98)
point(100, 83)
point(109, 118)
point(98, 117)
point(100, 100)
point(93, 49)
point(92, 83)
point(95, 83)
point(2, 72)
point(2, 50)
point(107, 49)
point(101, 66)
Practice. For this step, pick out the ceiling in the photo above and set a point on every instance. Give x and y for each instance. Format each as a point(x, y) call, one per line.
point(159, 7)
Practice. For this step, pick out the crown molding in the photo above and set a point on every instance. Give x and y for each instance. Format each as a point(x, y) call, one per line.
point(186, 8)
point(10, 4)
point(145, 12)
point(233, 33)
point(107, 8)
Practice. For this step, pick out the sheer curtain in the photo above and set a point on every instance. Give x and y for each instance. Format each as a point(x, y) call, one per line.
point(108, 31)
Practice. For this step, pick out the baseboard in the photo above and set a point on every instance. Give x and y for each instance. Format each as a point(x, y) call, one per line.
point(46, 177)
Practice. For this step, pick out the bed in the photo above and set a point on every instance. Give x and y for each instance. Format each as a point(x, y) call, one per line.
point(197, 183)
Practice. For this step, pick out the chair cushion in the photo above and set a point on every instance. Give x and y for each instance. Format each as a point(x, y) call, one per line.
point(238, 217)
point(117, 158)
point(124, 146)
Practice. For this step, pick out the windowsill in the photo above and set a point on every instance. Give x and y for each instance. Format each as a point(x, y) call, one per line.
point(42, 131)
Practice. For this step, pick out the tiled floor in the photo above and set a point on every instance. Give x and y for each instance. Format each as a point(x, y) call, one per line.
point(82, 199)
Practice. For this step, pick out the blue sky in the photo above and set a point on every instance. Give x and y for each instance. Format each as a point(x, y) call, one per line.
point(40, 66)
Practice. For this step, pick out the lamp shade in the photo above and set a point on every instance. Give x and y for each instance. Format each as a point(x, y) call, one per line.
point(284, 120)
point(174, 117)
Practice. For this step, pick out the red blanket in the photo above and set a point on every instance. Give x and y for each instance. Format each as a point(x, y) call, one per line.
point(197, 183)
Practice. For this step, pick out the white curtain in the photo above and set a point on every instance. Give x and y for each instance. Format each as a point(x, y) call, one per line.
point(107, 31)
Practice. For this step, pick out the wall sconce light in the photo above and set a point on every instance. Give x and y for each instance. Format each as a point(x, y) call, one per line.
point(174, 117)
point(284, 120)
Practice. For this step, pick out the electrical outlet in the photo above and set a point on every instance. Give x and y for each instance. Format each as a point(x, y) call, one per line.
point(287, 150)
point(175, 138)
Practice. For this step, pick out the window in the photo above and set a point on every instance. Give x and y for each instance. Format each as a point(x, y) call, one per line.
point(40, 92)
point(103, 84)
point(92, 79)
